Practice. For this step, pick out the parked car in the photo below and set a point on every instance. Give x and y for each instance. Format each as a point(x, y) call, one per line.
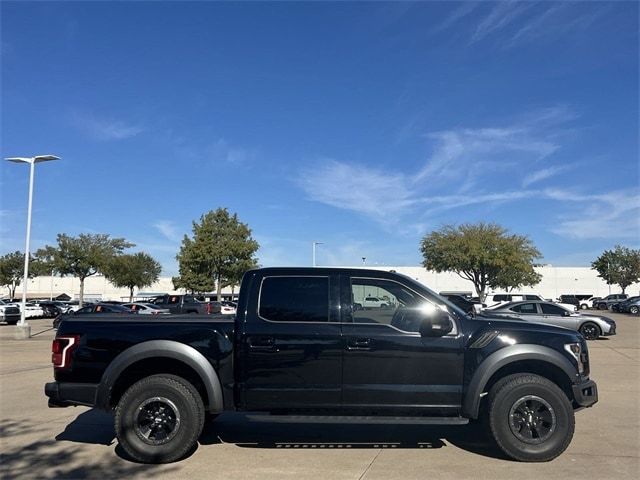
point(96, 308)
point(61, 306)
point(590, 326)
point(590, 302)
point(49, 309)
point(9, 313)
point(496, 300)
point(144, 308)
point(574, 299)
point(607, 302)
point(630, 305)
point(374, 302)
point(463, 303)
point(296, 344)
point(228, 308)
point(186, 304)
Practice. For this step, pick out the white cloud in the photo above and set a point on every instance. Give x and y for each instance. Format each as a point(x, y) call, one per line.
point(459, 13)
point(458, 174)
point(613, 215)
point(168, 229)
point(222, 151)
point(543, 174)
point(105, 129)
point(501, 16)
point(380, 195)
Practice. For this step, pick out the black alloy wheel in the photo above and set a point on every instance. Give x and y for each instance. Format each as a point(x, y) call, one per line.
point(590, 331)
point(530, 417)
point(158, 420)
point(532, 420)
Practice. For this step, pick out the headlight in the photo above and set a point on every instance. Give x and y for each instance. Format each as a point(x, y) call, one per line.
point(575, 350)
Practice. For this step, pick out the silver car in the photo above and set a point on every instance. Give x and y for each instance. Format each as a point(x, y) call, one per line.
point(590, 326)
point(147, 308)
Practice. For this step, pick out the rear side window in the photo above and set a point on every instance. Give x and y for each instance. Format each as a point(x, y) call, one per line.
point(525, 308)
point(531, 297)
point(502, 298)
point(294, 299)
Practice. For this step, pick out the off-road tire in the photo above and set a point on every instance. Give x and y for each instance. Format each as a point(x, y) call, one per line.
point(590, 330)
point(509, 393)
point(182, 400)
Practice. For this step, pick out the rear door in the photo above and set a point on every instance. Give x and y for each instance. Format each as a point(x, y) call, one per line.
point(290, 349)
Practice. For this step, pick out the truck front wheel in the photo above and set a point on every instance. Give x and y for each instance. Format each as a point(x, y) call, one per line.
point(159, 419)
point(531, 418)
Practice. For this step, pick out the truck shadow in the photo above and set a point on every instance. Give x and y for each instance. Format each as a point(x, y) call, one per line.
point(250, 431)
point(253, 431)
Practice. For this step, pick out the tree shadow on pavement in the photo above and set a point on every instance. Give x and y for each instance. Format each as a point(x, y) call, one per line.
point(28, 452)
point(268, 432)
point(92, 426)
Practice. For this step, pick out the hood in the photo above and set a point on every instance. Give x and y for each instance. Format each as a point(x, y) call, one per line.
point(511, 323)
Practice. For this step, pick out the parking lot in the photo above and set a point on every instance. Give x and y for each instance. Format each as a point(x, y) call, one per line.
point(39, 442)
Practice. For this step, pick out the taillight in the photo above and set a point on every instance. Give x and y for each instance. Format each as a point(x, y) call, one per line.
point(208, 308)
point(61, 349)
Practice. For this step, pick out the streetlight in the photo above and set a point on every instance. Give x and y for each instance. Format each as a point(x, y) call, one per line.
point(24, 331)
point(314, 251)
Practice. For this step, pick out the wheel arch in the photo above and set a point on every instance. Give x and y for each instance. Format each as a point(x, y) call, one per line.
point(160, 356)
point(536, 359)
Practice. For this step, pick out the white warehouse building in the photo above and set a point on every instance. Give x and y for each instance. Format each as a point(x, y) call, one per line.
point(556, 281)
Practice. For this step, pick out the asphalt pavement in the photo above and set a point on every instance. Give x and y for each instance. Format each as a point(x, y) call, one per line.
point(43, 443)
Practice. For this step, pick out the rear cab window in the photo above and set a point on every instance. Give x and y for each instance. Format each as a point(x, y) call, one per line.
point(294, 299)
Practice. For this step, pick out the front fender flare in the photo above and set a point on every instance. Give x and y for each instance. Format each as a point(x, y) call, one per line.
point(162, 349)
point(503, 357)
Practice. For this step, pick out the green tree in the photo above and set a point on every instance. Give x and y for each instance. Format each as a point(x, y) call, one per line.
point(219, 246)
point(82, 256)
point(12, 270)
point(620, 266)
point(234, 274)
point(133, 270)
point(485, 254)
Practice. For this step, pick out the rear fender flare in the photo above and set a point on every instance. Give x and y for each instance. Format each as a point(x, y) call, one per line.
point(162, 349)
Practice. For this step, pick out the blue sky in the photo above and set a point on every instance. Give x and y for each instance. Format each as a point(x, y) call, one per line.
point(361, 125)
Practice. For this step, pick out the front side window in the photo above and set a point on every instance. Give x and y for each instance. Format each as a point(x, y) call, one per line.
point(549, 309)
point(294, 299)
point(395, 305)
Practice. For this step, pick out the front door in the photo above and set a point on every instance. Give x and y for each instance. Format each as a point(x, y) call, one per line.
point(387, 364)
point(291, 348)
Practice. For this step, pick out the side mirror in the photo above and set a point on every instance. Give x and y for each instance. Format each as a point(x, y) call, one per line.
point(566, 314)
point(435, 324)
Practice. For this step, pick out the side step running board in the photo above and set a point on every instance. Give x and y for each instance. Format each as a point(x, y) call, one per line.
point(358, 419)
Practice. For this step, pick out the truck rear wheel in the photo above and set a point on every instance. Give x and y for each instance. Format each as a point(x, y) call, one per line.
point(530, 417)
point(159, 419)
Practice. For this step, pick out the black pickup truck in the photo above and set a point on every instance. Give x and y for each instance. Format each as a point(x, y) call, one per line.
point(298, 346)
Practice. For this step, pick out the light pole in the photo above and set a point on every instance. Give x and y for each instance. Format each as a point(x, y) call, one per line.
point(24, 331)
point(314, 251)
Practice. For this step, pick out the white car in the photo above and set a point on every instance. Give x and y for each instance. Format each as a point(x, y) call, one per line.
point(147, 308)
point(496, 300)
point(374, 302)
point(589, 303)
point(228, 308)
